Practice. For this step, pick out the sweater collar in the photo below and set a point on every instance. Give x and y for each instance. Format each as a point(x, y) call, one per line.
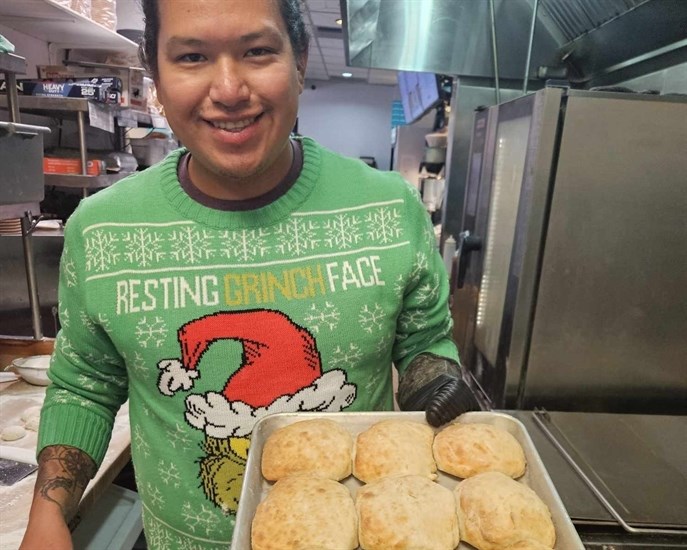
point(222, 219)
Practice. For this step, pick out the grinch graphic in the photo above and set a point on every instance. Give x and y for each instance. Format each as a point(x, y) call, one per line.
point(280, 371)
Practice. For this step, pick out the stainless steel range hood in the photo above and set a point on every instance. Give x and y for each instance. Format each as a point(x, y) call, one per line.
point(595, 41)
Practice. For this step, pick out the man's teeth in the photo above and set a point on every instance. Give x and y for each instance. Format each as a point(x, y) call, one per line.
point(240, 125)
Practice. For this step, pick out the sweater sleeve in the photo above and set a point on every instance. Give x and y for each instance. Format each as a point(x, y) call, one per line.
point(424, 324)
point(88, 376)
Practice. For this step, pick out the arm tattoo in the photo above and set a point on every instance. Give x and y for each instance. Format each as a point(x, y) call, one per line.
point(63, 476)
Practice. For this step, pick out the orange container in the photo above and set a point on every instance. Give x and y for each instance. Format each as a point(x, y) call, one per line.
point(54, 165)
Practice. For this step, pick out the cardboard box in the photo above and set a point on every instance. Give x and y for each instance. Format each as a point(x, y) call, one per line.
point(55, 165)
point(102, 90)
point(133, 93)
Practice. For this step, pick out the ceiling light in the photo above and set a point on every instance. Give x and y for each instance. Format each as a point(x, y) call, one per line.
point(347, 75)
point(339, 21)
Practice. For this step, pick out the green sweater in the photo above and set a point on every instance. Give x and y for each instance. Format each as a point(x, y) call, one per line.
point(207, 320)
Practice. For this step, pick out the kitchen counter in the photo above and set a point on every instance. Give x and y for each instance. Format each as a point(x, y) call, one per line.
point(15, 500)
point(637, 462)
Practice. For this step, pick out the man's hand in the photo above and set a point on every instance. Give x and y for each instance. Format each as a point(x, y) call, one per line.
point(435, 385)
point(63, 473)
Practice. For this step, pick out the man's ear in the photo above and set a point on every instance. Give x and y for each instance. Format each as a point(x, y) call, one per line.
point(159, 94)
point(301, 65)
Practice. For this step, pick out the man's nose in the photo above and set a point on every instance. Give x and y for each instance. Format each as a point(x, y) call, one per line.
point(229, 84)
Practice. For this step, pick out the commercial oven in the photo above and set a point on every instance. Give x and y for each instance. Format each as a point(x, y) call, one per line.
point(571, 272)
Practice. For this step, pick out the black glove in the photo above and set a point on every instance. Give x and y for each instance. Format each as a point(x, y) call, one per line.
point(435, 385)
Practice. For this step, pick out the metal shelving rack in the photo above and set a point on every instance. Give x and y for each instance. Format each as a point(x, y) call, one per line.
point(61, 27)
point(11, 65)
point(64, 108)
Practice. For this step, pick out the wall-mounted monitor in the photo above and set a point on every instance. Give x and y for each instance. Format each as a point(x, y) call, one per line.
point(419, 93)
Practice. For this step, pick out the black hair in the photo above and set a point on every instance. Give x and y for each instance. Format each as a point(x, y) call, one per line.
point(290, 11)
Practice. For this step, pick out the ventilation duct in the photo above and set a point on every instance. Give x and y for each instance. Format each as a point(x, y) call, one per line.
point(595, 41)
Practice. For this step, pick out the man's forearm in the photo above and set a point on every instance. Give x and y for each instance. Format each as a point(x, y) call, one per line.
point(63, 474)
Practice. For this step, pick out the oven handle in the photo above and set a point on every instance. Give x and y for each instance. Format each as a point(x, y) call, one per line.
point(467, 243)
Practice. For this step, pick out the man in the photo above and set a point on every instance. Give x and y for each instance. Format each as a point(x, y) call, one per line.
point(247, 274)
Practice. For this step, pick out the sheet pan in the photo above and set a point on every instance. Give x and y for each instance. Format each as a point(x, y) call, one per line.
point(255, 487)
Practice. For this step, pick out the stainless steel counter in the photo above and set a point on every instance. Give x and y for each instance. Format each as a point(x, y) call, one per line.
point(638, 463)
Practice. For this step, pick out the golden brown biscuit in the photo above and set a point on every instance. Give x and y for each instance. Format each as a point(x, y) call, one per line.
point(305, 513)
point(319, 446)
point(394, 448)
point(465, 450)
point(495, 511)
point(406, 513)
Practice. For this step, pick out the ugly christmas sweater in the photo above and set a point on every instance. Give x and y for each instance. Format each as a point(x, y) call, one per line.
point(208, 320)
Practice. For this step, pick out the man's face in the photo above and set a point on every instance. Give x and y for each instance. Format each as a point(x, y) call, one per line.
point(229, 82)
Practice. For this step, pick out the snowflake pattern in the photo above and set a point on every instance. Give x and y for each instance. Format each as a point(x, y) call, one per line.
point(67, 349)
point(151, 332)
point(140, 442)
point(63, 315)
point(162, 245)
point(246, 245)
point(325, 317)
point(199, 520)
point(137, 363)
point(157, 535)
point(372, 385)
point(428, 292)
point(346, 358)
point(190, 245)
point(383, 345)
point(103, 321)
point(371, 319)
point(412, 320)
point(118, 381)
point(342, 231)
point(101, 251)
point(384, 225)
point(68, 270)
point(190, 544)
point(143, 246)
point(86, 382)
point(400, 286)
point(64, 397)
point(169, 473)
point(179, 436)
point(419, 267)
point(86, 322)
point(296, 236)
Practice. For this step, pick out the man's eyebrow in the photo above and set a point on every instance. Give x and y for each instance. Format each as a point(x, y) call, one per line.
point(189, 41)
point(267, 32)
point(178, 41)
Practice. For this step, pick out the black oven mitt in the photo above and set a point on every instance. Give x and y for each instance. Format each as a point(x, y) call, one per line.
point(435, 385)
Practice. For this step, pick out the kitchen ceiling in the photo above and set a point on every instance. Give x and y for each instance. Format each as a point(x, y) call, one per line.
point(327, 60)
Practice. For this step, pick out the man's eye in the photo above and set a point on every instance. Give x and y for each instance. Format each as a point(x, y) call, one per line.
point(256, 52)
point(190, 58)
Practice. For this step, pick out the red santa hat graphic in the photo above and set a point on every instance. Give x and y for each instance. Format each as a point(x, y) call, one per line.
point(280, 372)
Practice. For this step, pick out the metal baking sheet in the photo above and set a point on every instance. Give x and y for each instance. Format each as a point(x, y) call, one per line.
point(255, 487)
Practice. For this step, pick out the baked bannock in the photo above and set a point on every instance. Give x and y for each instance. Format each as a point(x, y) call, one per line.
point(305, 513)
point(406, 513)
point(495, 511)
point(465, 450)
point(394, 448)
point(319, 447)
